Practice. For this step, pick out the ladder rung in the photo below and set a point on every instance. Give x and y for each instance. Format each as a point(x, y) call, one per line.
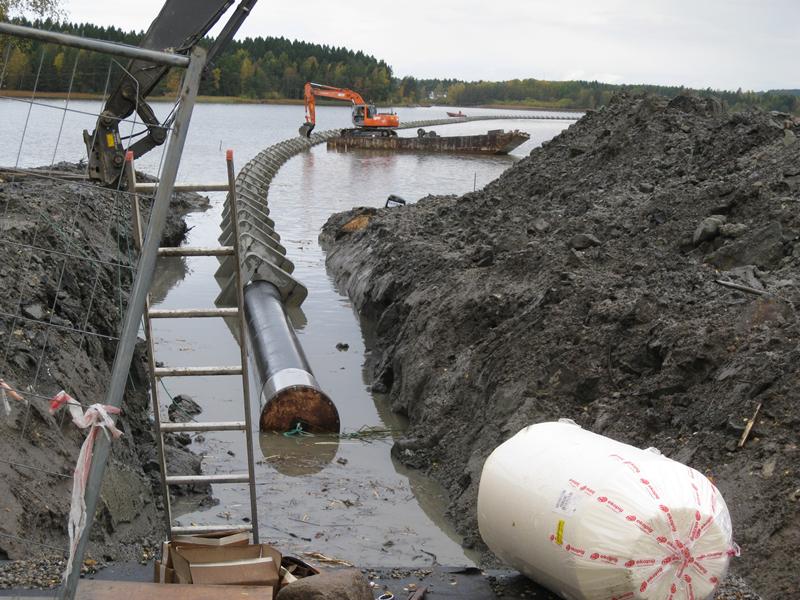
point(192, 313)
point(191, 529)
point(196, 371)
point(209, 426)
point(197, 251)
point(186, 187)
point(220, 478)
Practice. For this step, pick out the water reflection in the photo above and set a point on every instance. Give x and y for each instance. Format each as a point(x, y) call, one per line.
point(169, 272)
point(298, 456)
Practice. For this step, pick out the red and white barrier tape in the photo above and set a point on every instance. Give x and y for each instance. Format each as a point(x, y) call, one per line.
point(6, 391)
point(96, 418)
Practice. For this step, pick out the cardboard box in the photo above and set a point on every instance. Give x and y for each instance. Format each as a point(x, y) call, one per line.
point(217, 538)
point(163, 573)
point(250, 571)
point(237, 565)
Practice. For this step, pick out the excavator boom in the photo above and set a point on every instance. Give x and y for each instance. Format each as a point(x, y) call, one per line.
point(365, 116)
point(179, 26)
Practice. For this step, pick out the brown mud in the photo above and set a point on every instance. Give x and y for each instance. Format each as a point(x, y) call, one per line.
point(585, 283)
point(40, 354)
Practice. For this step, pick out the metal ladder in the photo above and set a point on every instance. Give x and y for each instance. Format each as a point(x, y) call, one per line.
point(157, 373)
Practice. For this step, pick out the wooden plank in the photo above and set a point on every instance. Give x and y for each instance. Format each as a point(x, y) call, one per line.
point(134, 590)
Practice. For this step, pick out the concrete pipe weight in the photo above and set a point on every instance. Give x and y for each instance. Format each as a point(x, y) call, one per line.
point(290, 394)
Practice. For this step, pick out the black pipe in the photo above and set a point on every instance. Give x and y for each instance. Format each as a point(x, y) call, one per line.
point(290, 394)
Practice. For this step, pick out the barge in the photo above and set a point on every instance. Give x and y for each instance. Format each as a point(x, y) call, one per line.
point(496, 141)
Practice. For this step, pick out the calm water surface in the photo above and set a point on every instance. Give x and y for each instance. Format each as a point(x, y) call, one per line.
point(343, 497)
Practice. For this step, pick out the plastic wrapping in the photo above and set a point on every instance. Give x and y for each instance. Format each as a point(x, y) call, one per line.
point(593, 519)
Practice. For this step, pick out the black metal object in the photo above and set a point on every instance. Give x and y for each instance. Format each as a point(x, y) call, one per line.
point(290, 393)
point(179, 26)
point(394, 199)
point(306, 129)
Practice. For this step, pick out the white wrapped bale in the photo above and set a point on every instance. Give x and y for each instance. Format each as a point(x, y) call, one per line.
point(593, 519)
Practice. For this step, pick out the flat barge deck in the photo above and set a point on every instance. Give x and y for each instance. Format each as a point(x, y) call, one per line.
point(497, 141)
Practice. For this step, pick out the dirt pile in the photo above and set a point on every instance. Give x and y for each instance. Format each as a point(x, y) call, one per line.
point(68, 223)
point(596, 280)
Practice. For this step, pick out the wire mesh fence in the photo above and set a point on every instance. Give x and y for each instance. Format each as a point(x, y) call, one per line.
point(68, 271)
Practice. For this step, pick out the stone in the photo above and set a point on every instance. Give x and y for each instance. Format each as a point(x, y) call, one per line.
point(708, 229)
point(576, 151)
point(182, 408)
point(34, 311)
point(582, 241)
point(342, 347)
point(540, 225)
point(121, 493)
point(344, 584)
point(789, 137)
point(646, 188)
point(733, 230)
point(484, 257)
point(763, 248)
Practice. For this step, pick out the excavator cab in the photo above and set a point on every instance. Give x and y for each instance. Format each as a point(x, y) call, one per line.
point(358, 115)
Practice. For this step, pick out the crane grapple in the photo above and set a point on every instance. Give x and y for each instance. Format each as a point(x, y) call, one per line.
point(306, 129)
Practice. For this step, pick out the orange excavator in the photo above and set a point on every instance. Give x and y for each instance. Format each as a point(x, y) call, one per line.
point(367, 120)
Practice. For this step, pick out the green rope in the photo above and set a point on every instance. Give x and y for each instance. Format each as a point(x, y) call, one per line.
point(298, 432)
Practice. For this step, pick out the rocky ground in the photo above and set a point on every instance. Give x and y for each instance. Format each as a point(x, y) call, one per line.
point(45, 294)
point(638, 274)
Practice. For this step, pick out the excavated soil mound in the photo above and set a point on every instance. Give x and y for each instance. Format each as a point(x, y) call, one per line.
point(65, 252)
point(595, 280)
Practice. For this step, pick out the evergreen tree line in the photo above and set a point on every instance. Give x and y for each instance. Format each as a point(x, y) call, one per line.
point(270, 68)
point(256, 68)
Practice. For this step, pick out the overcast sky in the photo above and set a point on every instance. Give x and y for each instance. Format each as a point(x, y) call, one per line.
point(752, 44)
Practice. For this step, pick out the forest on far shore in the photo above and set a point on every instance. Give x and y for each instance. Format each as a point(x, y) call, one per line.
point(270, 68)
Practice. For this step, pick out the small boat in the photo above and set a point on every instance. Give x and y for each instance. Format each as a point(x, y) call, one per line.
point(458, 114)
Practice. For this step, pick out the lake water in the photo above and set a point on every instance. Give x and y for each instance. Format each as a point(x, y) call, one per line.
point(345, 498)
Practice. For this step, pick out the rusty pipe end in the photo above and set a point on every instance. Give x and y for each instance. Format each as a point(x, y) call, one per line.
point(293, 397)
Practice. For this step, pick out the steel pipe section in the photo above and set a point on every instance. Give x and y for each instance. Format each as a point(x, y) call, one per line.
point(290, 394)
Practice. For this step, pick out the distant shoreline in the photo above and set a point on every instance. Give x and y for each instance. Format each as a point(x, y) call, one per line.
point(512, 106)
point(278, 101)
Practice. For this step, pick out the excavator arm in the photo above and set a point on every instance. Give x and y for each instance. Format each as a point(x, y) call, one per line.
point(179, 26)
point(312, 90)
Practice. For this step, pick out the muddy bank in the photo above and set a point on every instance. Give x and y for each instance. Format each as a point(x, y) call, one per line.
point(66, 222)
point(584, 283)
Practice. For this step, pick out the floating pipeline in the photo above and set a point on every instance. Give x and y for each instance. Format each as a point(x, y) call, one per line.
point(497, 141)
point(294, 392)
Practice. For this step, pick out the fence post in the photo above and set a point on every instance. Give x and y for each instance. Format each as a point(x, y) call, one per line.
point(136, 301)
